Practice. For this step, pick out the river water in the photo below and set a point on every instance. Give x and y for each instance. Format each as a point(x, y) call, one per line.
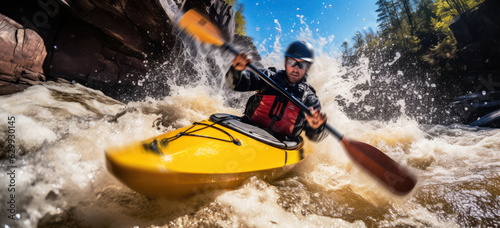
point(58, 178)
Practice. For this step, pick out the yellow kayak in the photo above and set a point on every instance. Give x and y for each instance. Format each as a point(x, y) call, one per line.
point(219, 152)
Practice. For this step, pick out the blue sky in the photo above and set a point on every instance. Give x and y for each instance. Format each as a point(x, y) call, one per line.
point(336, 20)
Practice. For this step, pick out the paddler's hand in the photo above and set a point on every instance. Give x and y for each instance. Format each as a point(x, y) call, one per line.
point(241, 61)
point(316, 119)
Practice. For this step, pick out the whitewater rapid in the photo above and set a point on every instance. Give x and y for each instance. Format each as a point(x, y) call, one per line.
point(62, 131)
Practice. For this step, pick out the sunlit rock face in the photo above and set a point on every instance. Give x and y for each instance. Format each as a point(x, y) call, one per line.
point(107, 45)
point(22, 53)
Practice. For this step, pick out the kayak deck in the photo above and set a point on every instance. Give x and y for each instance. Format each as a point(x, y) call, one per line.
point(218, 152)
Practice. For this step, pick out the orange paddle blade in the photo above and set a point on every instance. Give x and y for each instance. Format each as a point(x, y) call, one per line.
point(199, 26)
point(397, 178)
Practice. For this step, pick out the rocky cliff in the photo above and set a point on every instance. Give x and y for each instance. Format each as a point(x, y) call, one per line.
point(478, 40)
point(104, 44)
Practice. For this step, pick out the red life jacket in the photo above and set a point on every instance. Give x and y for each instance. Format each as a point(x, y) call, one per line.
point(278, 116)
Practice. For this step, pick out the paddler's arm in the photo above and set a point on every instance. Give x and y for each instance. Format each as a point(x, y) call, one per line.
point(315, 124)
point(239, 79)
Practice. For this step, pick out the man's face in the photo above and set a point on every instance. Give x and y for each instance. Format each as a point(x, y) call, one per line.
point(295, 69)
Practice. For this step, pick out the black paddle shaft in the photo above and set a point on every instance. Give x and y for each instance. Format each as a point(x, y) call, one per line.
point(289, 96)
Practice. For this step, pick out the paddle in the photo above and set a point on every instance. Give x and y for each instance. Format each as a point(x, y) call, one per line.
point(397, 178)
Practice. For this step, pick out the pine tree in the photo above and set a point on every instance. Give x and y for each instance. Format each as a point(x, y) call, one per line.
point(239, 19)
point(387, 15)
point(358, 40)
point(407, 11)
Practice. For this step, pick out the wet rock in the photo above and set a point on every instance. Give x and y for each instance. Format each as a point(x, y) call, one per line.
point(478, 39)
point(51, 196)
point(22, 53)
point(246, 45)
point(106, 45)
point(477, 32)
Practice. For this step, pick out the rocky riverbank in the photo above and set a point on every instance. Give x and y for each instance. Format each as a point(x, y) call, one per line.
point(105, 45)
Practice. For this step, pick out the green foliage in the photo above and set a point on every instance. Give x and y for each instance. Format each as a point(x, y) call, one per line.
point(418, 28)
point(231, 2)
point(239, 19)
point(239, 22)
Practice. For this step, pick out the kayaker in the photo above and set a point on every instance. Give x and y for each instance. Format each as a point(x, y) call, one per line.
point(268, 108)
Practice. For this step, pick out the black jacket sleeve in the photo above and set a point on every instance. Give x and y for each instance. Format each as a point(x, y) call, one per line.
point(311, 100)
point(246, 80)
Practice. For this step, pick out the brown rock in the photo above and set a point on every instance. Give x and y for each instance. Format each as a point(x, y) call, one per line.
point(22, 53)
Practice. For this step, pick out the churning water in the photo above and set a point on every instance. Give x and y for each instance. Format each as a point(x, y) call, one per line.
point(57, 177)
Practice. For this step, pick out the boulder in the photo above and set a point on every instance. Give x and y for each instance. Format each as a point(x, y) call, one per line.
point(22, 53)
